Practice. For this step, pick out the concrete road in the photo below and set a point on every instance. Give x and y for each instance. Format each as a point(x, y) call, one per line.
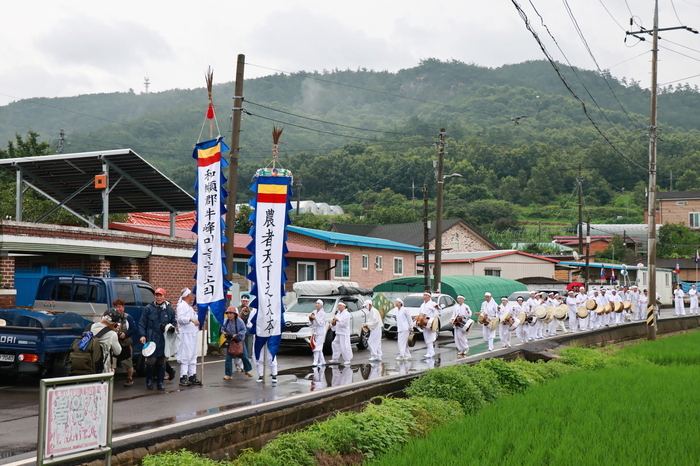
point(137, 409)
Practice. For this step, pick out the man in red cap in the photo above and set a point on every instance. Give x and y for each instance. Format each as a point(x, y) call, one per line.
point(158, 317)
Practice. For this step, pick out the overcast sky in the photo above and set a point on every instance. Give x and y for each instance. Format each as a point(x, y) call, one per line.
point(56, 48)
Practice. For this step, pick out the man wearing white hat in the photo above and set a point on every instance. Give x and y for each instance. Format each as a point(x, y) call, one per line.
point(572, 304)
point(429, 309)
point(523, 330)
point(530, 306)
point(504, 311)
point(633, 297)
point(341, 342)
point(615, 317)
point(490, 310)
point(374, 323)
point(463, 311)
point(188, 326)
point(404, 326)
point(581, 299)
point(317, 318)
point(693, 293)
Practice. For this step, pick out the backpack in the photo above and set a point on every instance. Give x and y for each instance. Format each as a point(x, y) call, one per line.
point(86, 353)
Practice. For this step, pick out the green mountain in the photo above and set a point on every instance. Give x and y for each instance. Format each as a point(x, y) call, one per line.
point(364, 139)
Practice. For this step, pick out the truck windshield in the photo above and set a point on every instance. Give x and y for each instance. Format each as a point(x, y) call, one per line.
point(306, 305)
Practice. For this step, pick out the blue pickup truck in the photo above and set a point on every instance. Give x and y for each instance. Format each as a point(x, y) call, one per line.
point(38, 341)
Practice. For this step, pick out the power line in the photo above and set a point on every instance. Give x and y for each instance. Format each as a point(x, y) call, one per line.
point(328, 122)
point(528, 25)
point(675, 12)
point(611, 16)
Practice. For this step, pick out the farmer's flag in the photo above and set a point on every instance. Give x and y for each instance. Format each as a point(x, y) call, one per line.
point(612, 275)
point(211, 285)
point(269, 232)
point(678, 267)
point(602, 272)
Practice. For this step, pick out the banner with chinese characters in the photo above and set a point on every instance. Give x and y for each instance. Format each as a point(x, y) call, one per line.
point(269, 232)
point(211, 285)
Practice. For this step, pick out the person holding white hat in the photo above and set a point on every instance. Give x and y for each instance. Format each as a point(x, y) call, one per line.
point(187, 326)
point(463, 311)
point(693, 293)
point(505, 310)
point(572, 304)
point(523, 330)
point(374, 323)
point(530, 306)
point(317, 318)
point(489, 309)
point(341, 343)
point(615, 317)
point(428, 308)
point(404, 326)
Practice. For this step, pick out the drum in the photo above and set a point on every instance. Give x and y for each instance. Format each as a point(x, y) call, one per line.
point(459, 322)
point(435, 325)
point(365, 328)
point(541, 312)
point(627, 305)
point(582, 312)
point(522, 315)
point(468, 325)
point(421, 321)
point(617, 307)
point(483, 320)
point(600, 310)
point(494, 323)
point(608, 308)
point(312, 317)
point(550, 315)
point(561, 311)
point(515, 324)
point(591, 305)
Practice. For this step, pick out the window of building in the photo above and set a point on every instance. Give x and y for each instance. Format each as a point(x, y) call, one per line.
point(365, 261)
point(398, 265)
point(342, 267)
point(492, 272)
point(455, 242)
point(694, 219)
point(240, 267)
point(306, 271)
point(379, 263)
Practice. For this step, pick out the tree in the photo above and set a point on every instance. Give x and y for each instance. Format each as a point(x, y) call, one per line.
point(677, 240)
point(688, 181)
point(485, 212)
point(243, 224)
point(616, 252)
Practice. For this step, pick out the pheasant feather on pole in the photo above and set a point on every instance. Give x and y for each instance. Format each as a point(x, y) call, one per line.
point(276, 133)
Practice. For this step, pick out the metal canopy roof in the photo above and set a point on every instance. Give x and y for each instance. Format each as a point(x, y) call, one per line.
point(134, 185)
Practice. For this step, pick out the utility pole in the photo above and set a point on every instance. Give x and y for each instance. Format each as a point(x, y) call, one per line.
point(651, 206)
point(670, 181)
point(588, 249)
point(61, 140)
point(438, 217)
point(580, 210)
point(426, 241)
point(233, 165)
point(146, 83)
point(298, 193)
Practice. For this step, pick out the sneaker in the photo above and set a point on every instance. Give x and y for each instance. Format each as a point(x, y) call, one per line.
point(260, 379)
point(274, 379)
point(227, 377)
point(193, 380)
point(129, 382)
point(347, 363)
point(399, 358)
point(184, 382)
point(333, 361)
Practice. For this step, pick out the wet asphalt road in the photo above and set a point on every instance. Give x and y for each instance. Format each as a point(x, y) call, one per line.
point(137, 409)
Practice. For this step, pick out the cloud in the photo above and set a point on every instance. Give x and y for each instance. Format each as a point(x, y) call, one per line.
point(109, 46)
point(299, 39)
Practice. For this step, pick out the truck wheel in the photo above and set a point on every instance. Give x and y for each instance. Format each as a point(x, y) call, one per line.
point(364, 340)
point(61, 365)
point(139, 365)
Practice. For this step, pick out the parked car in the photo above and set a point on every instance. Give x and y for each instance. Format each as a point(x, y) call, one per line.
point(413, 302)
point(297, 329)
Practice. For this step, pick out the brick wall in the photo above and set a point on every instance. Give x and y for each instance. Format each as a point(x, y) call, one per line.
point(460, 239)
point(7, 270)
point(670, 212)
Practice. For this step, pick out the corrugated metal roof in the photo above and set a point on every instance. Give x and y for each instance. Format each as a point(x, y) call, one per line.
point(485, 255)
point(135, 185)
point(354, 240)
point(183, 220)
point(472, 287)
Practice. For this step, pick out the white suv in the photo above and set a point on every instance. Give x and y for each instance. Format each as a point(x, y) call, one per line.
point(413, 302)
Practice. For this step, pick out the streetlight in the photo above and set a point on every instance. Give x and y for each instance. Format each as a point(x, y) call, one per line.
point(438, 216)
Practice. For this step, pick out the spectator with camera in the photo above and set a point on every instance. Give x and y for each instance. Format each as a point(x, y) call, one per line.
point(126, 333)
point(158, 317)
point(234, 329)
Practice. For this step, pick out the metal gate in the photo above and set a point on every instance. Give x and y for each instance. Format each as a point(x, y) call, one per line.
point(27, 281)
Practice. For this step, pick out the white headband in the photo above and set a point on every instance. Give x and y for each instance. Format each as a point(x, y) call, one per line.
point(185, 292)
point(368, 302)
point(487, 294)
point(318, 301)
point(460, 296)
point(399, 300)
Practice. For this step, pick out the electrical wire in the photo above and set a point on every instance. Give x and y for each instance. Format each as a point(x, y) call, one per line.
point(675, 12)
point(529, 27)
point(611, 16)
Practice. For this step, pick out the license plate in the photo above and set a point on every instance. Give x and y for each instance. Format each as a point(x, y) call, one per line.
point(7, 358)
point(289, 336)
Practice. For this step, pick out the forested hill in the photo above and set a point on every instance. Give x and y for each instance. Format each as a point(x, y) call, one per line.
point(363, 138)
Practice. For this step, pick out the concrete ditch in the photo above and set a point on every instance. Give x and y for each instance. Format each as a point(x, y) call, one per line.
point(251, 427)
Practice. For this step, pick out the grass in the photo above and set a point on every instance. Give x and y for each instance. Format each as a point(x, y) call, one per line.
point(642, 415)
